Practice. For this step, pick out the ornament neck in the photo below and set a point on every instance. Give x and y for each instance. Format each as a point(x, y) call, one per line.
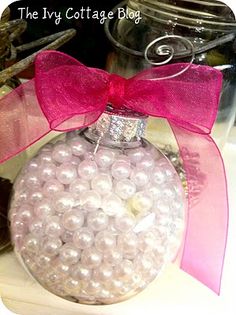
point(119, 126)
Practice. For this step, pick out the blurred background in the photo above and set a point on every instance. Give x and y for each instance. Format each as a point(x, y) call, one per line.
point(90, 45)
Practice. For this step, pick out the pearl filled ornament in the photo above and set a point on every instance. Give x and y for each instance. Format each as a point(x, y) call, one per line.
point(97, 226)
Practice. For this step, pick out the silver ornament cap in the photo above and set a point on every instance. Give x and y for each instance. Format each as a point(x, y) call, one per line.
point(121, 125)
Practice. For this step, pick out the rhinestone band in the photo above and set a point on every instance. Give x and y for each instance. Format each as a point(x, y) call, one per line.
point(120, 128)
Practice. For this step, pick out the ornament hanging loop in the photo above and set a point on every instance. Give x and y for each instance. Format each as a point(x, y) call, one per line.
point(167, 50)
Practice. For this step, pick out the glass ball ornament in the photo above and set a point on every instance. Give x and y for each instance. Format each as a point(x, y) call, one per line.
point(94, 218)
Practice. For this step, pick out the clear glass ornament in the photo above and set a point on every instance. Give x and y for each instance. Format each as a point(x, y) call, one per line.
point(97, 214)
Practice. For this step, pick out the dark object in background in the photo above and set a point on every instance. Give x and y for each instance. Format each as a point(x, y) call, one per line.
point(5, 190)
point(90, 46)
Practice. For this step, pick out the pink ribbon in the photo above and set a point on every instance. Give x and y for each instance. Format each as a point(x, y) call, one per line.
point(66, 95)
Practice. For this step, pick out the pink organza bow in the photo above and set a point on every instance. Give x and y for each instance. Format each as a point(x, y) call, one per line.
point(66, 95)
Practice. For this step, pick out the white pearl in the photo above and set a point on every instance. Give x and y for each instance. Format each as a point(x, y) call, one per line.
point(111, 228)
point(163, 208)
point(162, 232)
point(170, 172)
point(78, 186)
point(116, 285)
point(69, 254)
point(63, 201)
point(160, 251)
point(19, 183)
point(102, 183)
point(53, 278)
point(36, 227)
point(112, 205)
point(144, 264)
point(125, 189)
point(93, 287)
point(67, 236)
point(44, 208)
point(120, 170)
point(128, 242)
point(90, 200)
point(61, 267)
point(53, 227)
point(91, 257)
point(113, 256)
point(105, 296)
point(125, 222)
point(136, 281)
point(105, 241)
point(61, 153)
point(22, 197)
point(75, 160)
point(79, 146)
point(32, 180)
point(81, 272)
point(164, 220)
point(142, 202)
point(72, 286)
point(45, 157)
point(32, 243)
point(87, 169)
point(18, 226)
point(35, 196)
point(83, 238)
point(51, 246)
point(73, 220)
point(25, 214)
point(66, 173)
point(147, 163)
point(136, 155)
point(147, 240)
point(103, 273)
point(88, 156)
point(44, 261)
point(32, 165)
point(97, 220)
point(125, 270)
point(158, 176)
point(163, 163)
point(154, 191)
point(169, 192)
point(139, 177)
point(105, 158)
point(52, 187)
